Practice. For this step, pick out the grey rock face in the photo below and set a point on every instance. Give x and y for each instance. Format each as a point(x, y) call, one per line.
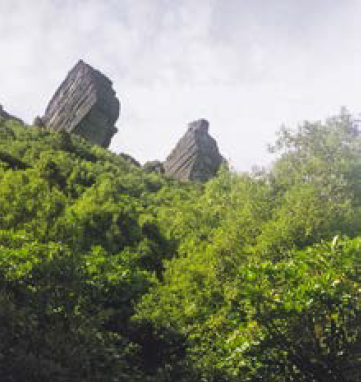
point(84, 104)
point(5, 115)
point(196, 156)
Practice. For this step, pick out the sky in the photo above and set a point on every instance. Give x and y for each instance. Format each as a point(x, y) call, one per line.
point(248, 66)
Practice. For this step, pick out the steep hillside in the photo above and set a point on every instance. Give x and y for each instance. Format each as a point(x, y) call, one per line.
point(112, 273)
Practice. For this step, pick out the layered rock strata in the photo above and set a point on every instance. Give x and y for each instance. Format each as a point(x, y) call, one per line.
point(196, 156)
point(84, 104)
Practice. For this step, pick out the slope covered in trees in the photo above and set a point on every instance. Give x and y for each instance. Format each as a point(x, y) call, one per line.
point(112, 273)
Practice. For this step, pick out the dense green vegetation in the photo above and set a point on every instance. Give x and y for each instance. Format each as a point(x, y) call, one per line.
point(112, 273)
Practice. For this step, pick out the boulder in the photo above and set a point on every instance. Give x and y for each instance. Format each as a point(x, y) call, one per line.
point(84, 104)
point(196, 156)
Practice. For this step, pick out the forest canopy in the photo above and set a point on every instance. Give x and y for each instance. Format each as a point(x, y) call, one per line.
point(109, 272)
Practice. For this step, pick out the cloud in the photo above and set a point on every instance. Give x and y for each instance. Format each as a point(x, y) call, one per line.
point(247, 66)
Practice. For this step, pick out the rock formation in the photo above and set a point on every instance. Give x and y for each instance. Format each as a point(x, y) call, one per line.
point(5, 115)
point(84, 104)
point(196, 156)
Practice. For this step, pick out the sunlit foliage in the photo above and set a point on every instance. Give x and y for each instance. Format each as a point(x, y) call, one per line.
point(112, 273)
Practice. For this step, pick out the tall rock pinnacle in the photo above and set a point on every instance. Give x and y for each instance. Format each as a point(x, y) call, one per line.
point(196, 156)
point(84, 104)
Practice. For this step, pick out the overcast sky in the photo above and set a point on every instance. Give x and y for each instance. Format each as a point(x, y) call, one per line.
point(248, 66)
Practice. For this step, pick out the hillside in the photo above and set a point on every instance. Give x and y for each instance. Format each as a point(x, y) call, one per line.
point(112, 273)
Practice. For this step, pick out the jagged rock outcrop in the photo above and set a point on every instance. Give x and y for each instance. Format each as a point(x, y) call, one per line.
point(196, 156)
point(84, 104)
point(6, 115)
